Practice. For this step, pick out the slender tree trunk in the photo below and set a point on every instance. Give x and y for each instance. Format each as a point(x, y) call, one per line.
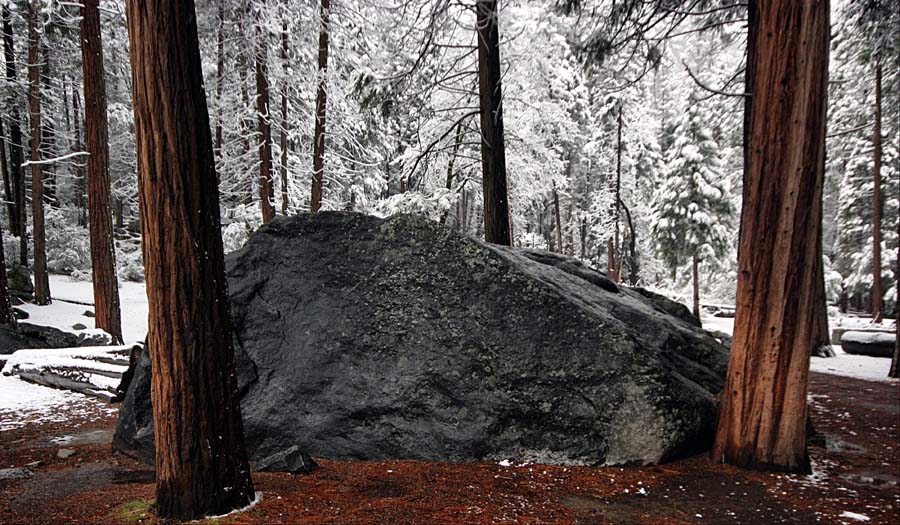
point(315, 202)
point(266, 191)
point(201, 463)
point(7, 188)
point(450, 162)
point(464, 220)
point(120, 213)
point(695, 264)
point(762, 422)
point(103, 254)
point(80, 177)
point(220, 77)
point(284, 120)
point(15, 137)
point(7, 315)
point(617, 211)
point(559, 244)
point(246, 123)
point(41, 278)
point(822, 344)
point(877, 204)
point(497, 228)
point(895, 362)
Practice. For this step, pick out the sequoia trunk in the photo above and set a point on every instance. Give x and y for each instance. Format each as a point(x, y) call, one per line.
point(41, 277)
point(201, 463)
point(103, 255)
point(762, 422)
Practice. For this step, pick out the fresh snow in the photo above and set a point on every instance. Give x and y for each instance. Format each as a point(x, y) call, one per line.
point(843, 364)
point(63, 313)
point(855, 516)
point(21, 402)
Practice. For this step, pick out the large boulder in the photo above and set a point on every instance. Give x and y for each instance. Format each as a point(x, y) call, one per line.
point(367, 338)
point(27, 335)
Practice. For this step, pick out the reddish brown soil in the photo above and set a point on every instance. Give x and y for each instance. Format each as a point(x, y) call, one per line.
point(857, 471)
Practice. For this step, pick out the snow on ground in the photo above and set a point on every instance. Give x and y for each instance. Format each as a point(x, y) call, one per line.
point(22, 402)
point(843, 364)
point(63, 314)
point(856, 366)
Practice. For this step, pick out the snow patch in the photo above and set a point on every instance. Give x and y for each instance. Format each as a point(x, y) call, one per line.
point(855, 516)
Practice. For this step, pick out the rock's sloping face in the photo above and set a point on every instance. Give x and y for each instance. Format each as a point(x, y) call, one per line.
point(370, 338)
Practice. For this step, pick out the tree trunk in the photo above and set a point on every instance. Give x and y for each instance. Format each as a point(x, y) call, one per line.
point(450, 162)
point(616, 211)
point(559, 244)
point(15, 138)
point(695, 263)
point(822, 343)
point(80, 182)
point(895, 362)
point(7, 188)
point(266, 191)
point(246, 123)
point(41, 278)
point(315, 202)
point(201, 463)
point(7, 316)
point(284, 121)
point(103, 254)
point(877, 204)
point(493, 151)
point(762, 422)
point(220, 77)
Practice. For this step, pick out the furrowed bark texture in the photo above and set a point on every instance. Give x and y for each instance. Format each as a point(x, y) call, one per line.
point(201, 463)
point(762, 423)
point(497, 228)
point(103, 255)
point(41, 277)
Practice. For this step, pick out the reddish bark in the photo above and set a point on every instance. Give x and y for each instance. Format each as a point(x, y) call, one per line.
point(41, 277)
point(103, 254)
point(201, 463)
point(762, 423)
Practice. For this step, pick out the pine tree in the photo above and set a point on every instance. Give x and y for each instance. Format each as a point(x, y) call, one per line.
point(692, 208)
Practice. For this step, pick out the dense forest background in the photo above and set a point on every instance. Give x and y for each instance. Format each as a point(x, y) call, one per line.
point(624, 147)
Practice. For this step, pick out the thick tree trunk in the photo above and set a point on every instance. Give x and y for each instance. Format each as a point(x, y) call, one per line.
point(315, 201)
point(41, 277)
point(284, 121)
point(877, 205)
point(762, 423)
point(695, 265)
point(80, 177)
point(201, 463)
point(16, 157)
point(266, 190)
point(103, 254)
point(497, 228)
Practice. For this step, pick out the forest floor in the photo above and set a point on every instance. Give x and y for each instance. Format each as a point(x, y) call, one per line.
point(855, 479)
